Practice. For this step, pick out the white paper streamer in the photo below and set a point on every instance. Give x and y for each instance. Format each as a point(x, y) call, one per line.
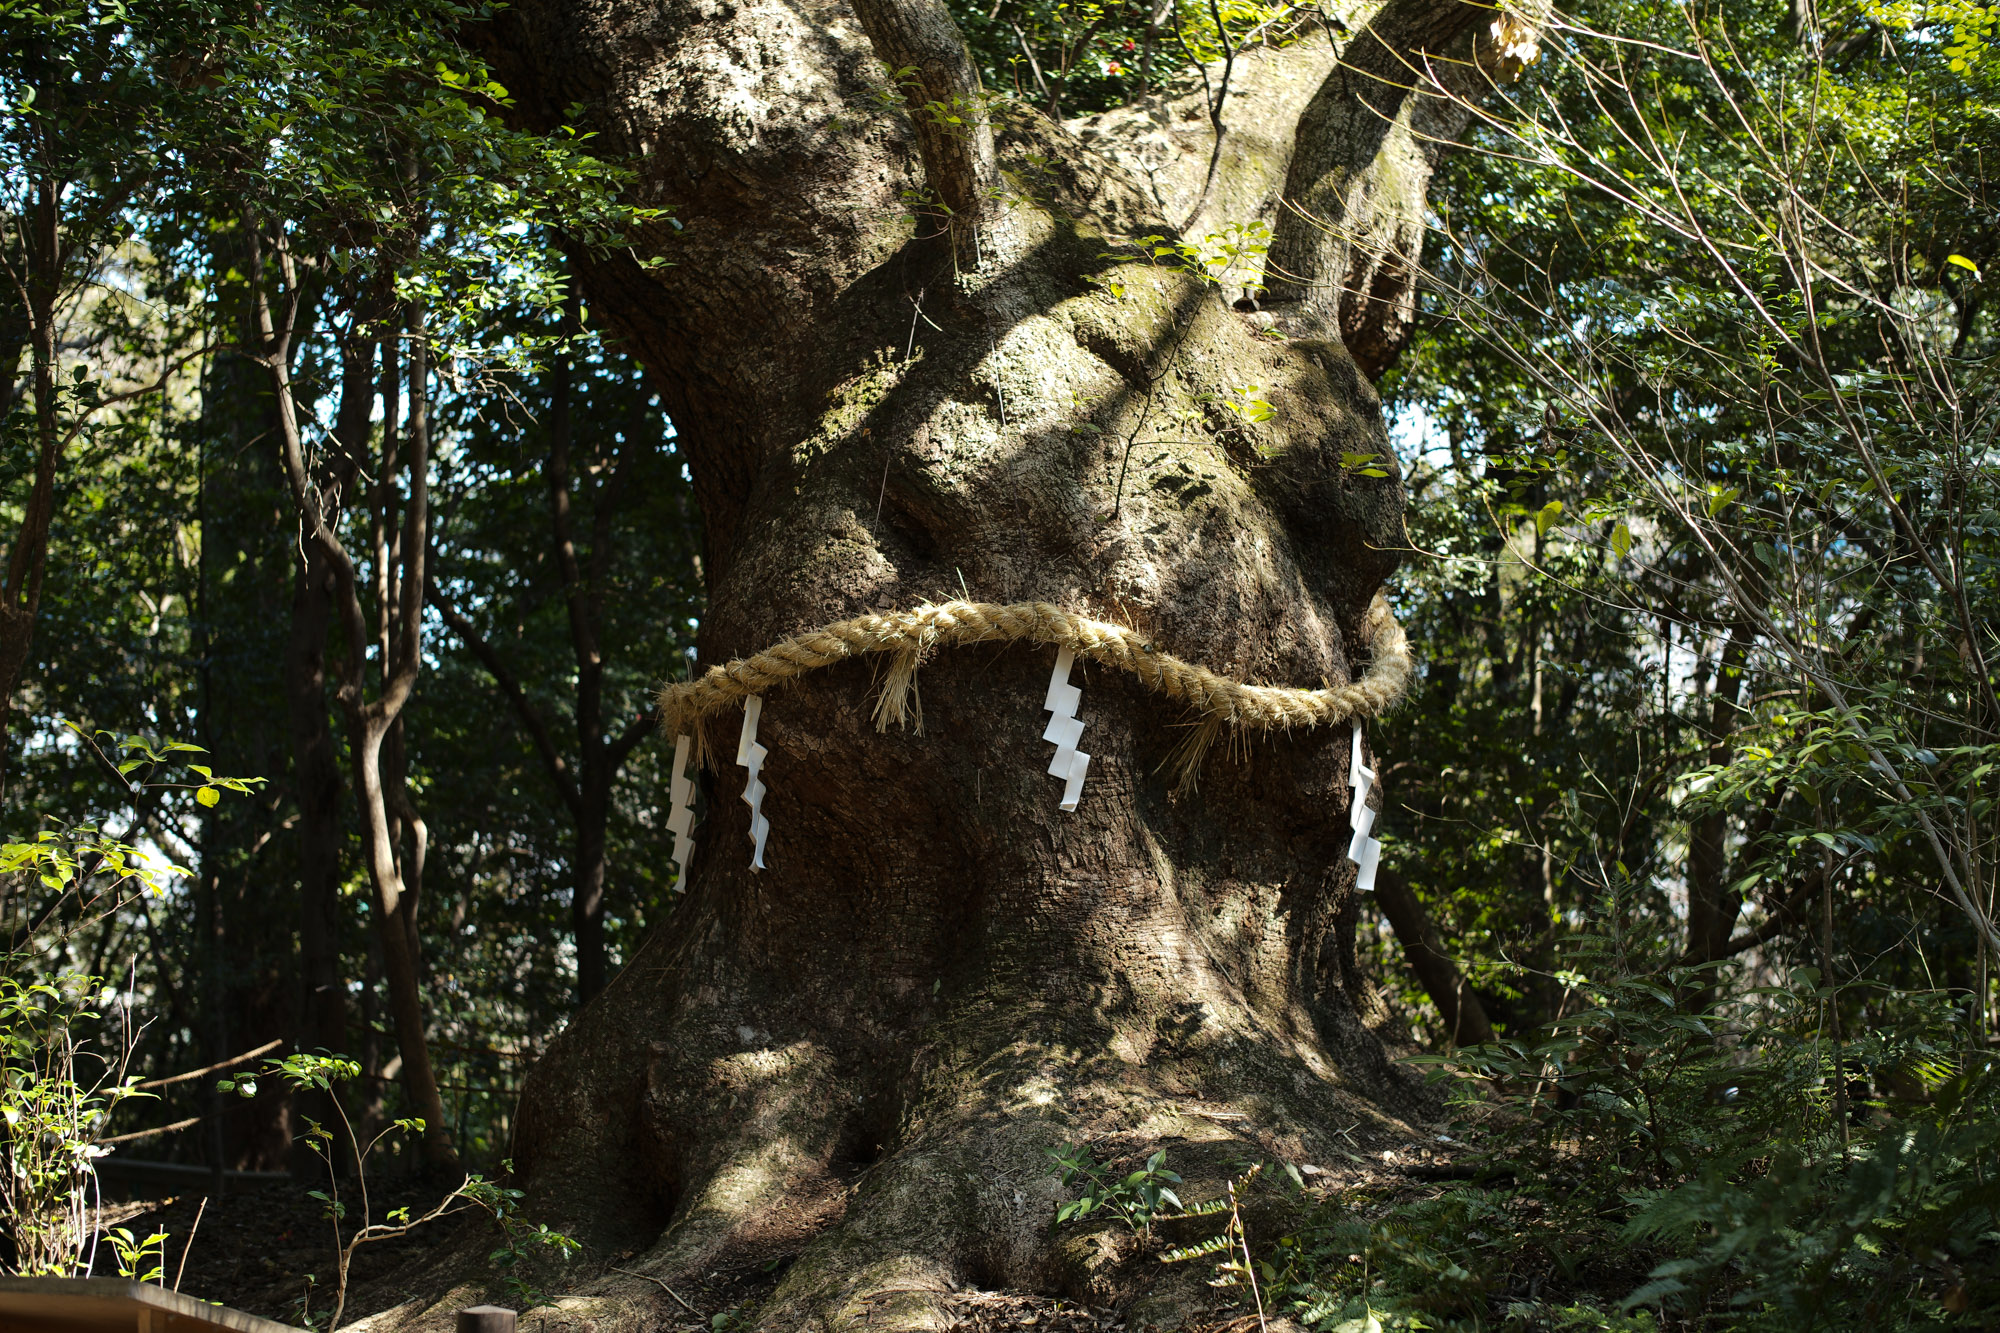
point(1363, 849)
point(752, 755)
point(680, 795)
point(1070, 764)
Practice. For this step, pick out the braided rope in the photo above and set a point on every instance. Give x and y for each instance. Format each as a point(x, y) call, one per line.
point(911, 635)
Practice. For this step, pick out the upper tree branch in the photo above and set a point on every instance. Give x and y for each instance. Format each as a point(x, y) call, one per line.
point(275, 323)
point(928, 58)
point(402, 678)
point(1344, 251)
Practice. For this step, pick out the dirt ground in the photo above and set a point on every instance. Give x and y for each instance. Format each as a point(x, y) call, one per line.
point(267, 1249)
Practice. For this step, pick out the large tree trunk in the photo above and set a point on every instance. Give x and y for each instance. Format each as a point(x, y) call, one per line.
point(862, 1052)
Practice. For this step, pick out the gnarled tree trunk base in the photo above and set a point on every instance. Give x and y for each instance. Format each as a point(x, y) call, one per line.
point(859, 1060)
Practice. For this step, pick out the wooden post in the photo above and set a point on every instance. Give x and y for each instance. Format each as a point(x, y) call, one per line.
point(485, 1319)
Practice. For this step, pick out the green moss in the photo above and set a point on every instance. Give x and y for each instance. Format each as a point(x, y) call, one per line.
point(850, 403)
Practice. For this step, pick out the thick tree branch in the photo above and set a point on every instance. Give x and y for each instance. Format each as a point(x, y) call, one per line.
point(1344, 250)
point(274, 323)
point(932, 66)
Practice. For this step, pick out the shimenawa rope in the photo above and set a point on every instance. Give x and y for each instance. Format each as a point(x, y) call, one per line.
point(911, 635)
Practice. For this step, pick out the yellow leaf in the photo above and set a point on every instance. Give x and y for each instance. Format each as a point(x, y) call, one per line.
point(207, 796)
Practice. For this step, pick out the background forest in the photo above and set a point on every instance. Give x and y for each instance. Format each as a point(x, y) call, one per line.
point(346, 550)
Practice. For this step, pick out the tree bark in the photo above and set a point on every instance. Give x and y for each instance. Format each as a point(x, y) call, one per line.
point(861, 1054)
point(1345, 251)
point(27, 558)
point(240, 638)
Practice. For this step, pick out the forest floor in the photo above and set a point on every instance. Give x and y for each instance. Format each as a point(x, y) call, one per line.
point(267, 1249)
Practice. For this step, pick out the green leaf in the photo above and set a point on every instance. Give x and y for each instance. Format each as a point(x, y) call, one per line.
point(1550, 512)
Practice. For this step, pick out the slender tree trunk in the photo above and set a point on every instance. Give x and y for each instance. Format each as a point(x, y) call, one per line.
point(242, 638)
point(586, 788)
point(392, 929)
point(1712, 906)
point(591, 801)
point(1464, 1015)
point(370, 725)
point(371, 721)
point(322, 1013)
point(322, 1020)
point(21, 597)
point(588, 912)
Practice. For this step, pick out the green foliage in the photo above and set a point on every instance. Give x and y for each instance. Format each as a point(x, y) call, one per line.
point(1701, 453)
point(64, 1060)
point(1705, 578)
point(1233, 256)
point(56, 1091)
point(140, 1260)
point(1911, 1211)
point(1663, 1153)
point(523, 1240)
point(524, 1245)
point(1137, 1198)
point(371, 150)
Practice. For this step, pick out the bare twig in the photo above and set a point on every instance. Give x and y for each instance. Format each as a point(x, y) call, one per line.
point(198, 1214)
point(662, 1285)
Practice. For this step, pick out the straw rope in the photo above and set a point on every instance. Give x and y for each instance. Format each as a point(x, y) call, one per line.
point(911, 635)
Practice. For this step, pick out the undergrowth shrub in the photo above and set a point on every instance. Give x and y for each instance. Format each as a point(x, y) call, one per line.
point(68, 1032)
point(1676, 1154)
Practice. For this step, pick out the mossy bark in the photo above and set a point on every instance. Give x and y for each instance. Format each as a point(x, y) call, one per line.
point(857, 1058)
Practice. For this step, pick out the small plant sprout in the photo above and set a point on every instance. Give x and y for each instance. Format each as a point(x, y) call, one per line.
point(1234, 1266)
point(1138, 1198)
point(1249, 405)
point(522, 1239)
point(1233, 255)
point(320, 1071)
point(139, 1260)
